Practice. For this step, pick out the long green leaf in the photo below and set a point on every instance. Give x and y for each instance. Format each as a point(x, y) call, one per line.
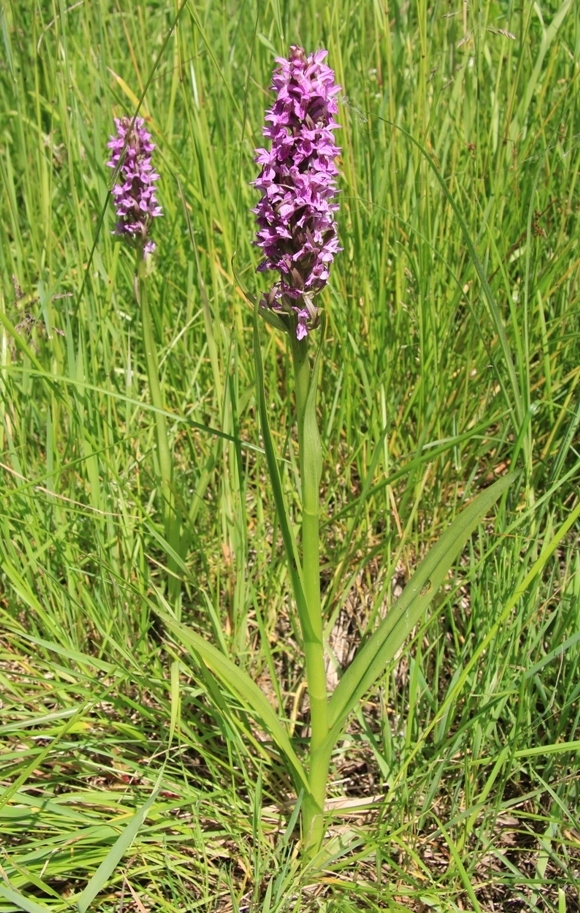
point(535, 570)
point(285, 527)
point(244, 689)
point(21, 902)
point(370, 661)
point(116, 853)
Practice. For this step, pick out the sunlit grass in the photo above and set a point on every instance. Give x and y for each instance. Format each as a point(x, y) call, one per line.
point(471, 766)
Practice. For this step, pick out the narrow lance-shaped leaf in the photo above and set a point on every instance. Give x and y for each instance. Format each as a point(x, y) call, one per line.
point(292, 557)
point(116, 853)
point(370, 661)
point(21, 902)
point(244, 689)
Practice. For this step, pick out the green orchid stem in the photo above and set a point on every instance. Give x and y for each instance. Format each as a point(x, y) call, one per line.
point(170, 517)
point(312, 628)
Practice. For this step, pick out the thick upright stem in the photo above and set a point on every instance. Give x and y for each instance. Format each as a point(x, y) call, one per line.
point(312, 628)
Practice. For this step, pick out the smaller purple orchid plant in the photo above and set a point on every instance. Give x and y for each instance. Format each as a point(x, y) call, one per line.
point(296, 226)
point(134, 193)
point(135, 197)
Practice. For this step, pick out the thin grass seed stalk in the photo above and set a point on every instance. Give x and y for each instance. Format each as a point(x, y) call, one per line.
point(296, 226)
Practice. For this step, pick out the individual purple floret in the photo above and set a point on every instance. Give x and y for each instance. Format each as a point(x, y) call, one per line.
point(134, 195)
point(296, 227)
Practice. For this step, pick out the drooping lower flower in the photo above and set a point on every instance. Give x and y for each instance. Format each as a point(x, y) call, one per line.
point(296, 226)
point(134, 193)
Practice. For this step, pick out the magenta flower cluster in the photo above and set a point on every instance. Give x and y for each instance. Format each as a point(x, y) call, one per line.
point(296, 226)
point(134, 194)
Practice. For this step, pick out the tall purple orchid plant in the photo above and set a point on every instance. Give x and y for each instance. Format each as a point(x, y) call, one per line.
point(298, 235)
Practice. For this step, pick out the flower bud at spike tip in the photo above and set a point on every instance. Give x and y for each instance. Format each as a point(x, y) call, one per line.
point(296, 226)
point(134, 194)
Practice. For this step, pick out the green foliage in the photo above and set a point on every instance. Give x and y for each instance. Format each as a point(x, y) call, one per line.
point(466, 755)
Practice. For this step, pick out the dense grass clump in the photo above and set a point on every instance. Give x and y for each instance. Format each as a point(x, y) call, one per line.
point(452, 354)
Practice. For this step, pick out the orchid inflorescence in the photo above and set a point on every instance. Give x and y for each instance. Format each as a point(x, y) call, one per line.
point(134, 193)
point(296, 227)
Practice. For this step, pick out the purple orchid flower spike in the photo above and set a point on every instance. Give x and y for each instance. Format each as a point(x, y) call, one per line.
point(296, 227)
point(135, 193)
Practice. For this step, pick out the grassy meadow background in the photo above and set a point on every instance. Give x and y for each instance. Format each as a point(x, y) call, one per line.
point(438, 374)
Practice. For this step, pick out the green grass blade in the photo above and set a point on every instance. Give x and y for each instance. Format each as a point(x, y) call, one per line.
point(22, 903)
point(517, 407)
point(547, 38)
point(127, 400)
point(116, 853)
point(535, 570)
point(463, 874)
point(244, 689)
point(370, 661)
